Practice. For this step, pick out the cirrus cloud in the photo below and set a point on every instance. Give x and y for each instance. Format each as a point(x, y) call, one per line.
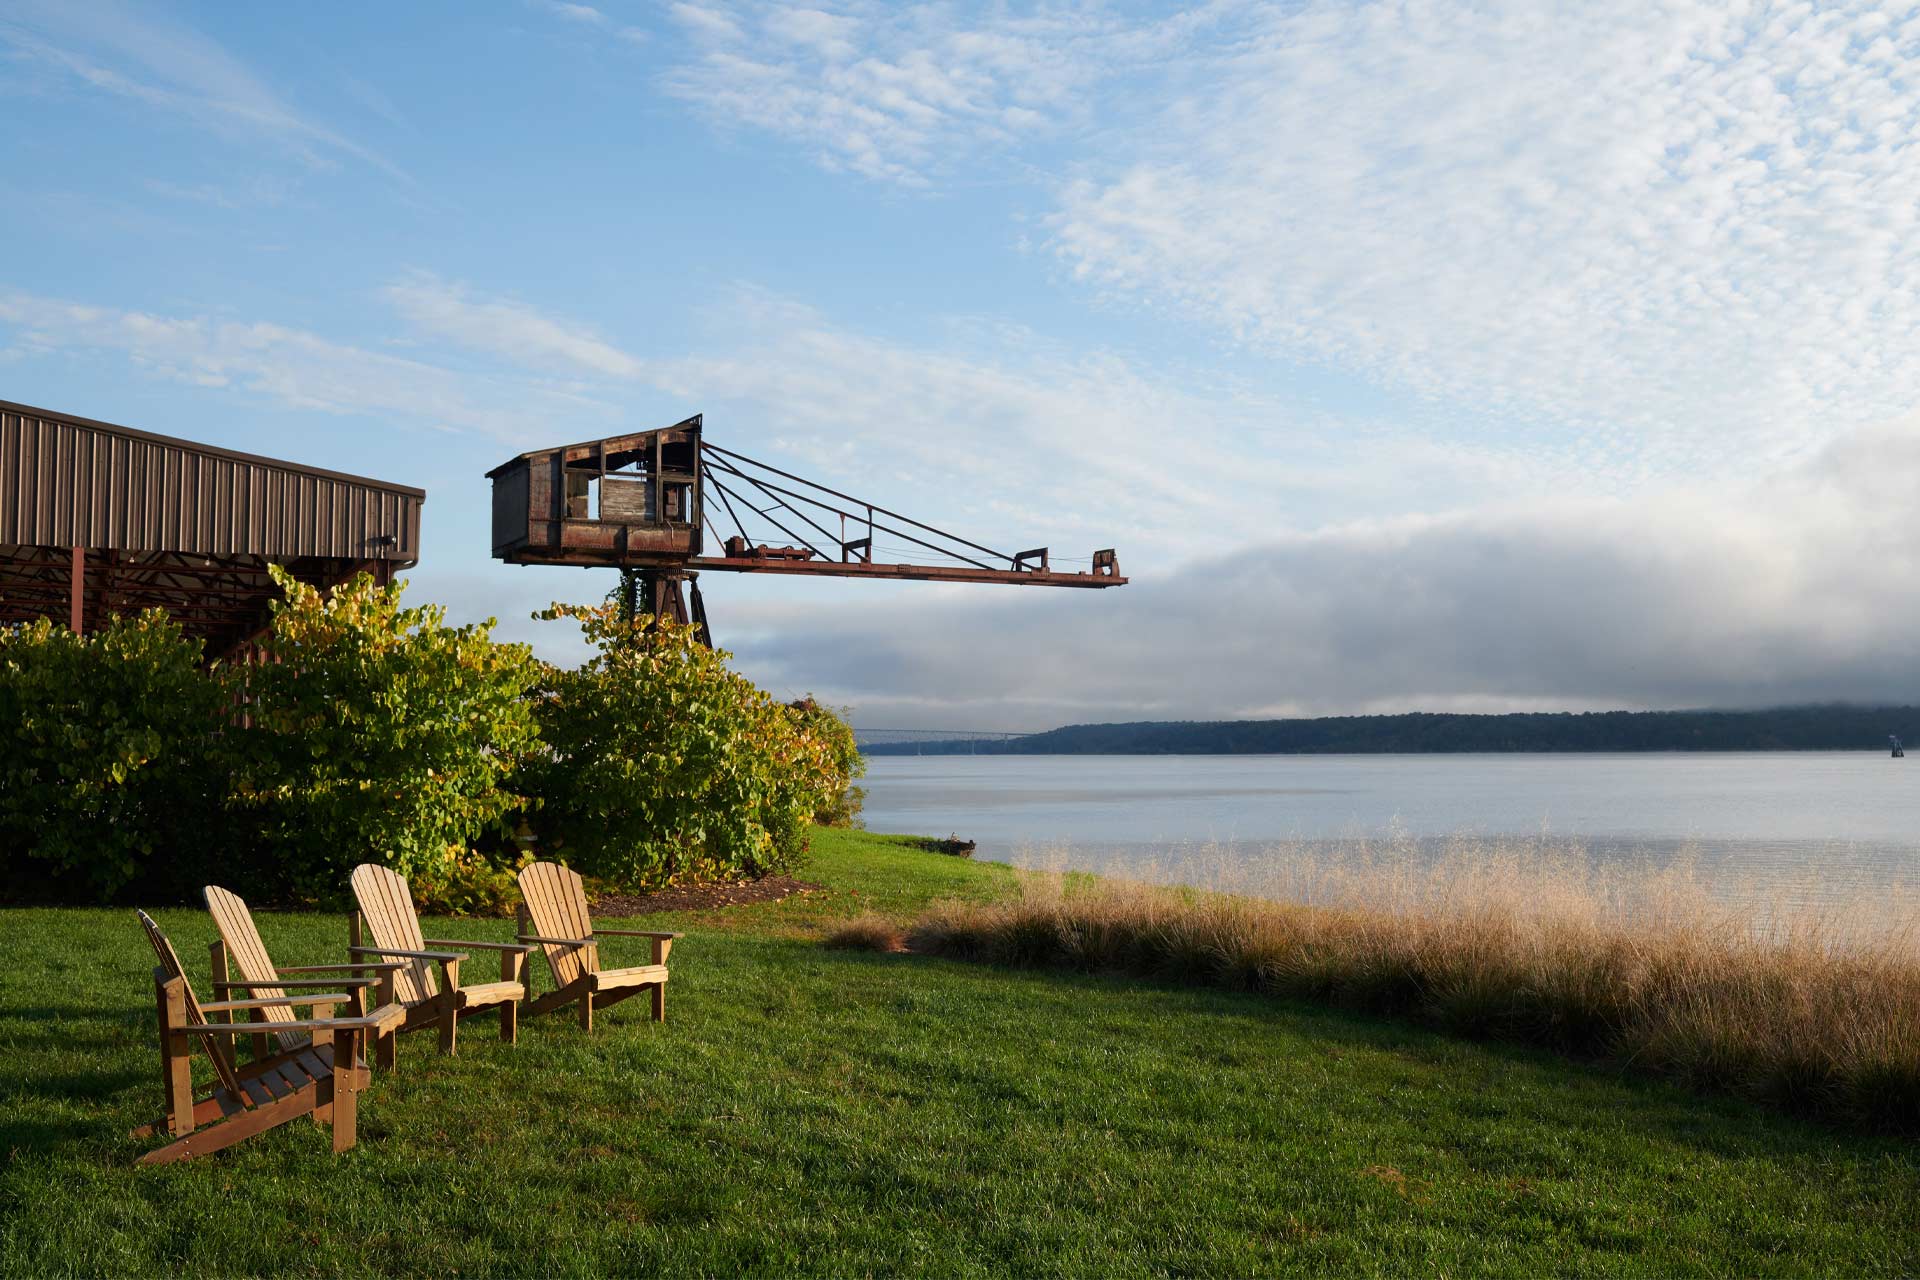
point(1687, 221)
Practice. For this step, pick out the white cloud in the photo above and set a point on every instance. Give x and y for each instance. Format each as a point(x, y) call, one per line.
point(506, 328)
point(584, 13)
point(1664, 238)
point(1798, 588)
point(998, 433)
point(706, 22)
point(898, 92)
point(107, 47)
point(1001, 431)
point(1687, 231)
point(259, 192)
point(295, 368)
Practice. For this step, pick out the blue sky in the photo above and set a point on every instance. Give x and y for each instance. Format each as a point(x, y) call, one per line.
point(1412, 355)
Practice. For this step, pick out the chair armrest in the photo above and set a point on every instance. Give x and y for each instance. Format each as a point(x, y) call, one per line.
point(275, 1002)
point(640, 933)
point(308, 1024)
point(416, 955)
point(478, 946)
point(289, 984)
point(387, 1015)
point(555, 942)
point(365, 966)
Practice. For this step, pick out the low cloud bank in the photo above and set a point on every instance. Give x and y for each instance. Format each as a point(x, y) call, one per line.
point(1800, 588)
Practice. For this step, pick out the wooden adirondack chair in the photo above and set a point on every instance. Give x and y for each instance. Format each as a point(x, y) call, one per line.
point(320, 1078)
point(386, 912)
point(239, 946)
point(553, 913)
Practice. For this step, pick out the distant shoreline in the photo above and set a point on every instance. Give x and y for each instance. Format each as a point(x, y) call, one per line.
point(1819, 728)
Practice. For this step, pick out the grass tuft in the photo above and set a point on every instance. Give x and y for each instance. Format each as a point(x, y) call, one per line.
point(1817, 1012)
point(865, 932)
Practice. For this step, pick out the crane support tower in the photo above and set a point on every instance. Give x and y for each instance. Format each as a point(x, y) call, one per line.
point(648, 501)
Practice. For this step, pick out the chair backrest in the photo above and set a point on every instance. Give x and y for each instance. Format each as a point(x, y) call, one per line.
point(170, 965)
point(556, 900)
point(386, 904)
point(248, 955)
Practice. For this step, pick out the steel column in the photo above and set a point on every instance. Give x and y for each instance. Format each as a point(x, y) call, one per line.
point(77, 593)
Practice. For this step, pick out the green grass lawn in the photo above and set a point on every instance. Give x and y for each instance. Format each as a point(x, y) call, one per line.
point(847, 1113)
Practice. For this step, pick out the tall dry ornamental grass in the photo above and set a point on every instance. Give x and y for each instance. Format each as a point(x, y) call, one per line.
point(1817, 1009)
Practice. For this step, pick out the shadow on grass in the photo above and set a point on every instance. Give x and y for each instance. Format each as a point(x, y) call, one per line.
point(20, 1136)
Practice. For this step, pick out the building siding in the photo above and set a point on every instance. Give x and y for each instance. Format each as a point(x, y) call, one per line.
point(73, 482)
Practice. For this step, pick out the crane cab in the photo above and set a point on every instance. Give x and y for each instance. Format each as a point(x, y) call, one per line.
point(631, 499)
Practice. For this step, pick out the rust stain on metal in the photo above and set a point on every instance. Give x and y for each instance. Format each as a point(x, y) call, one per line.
point(651, 501)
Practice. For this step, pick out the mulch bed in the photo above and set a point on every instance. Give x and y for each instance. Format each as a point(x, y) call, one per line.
point(702, 897)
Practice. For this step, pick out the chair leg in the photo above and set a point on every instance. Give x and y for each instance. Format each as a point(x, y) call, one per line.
point(510, 1021)
point(659, 1002)
point(176, 1057)
point(345, 1092)
point(586, 1010)
point(384, 1051)
point(449, 1027)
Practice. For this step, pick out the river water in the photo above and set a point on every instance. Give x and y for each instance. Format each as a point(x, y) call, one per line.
point(1829, 824)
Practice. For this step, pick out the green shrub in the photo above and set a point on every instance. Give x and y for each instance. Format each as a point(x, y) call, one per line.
point(473, 882)
point(658, 762)
point(376, 734)
point(814, 717)
point(106, 780)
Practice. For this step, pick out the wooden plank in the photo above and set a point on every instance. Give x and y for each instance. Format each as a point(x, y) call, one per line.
point(387, 905)
point(194, 1017)
point(176, 1057)
point(248, 952)
point(540, 888)
point(639, 975)
point(228, 1132)
point(286, 1076)
point(555, 906)
point(573, 897)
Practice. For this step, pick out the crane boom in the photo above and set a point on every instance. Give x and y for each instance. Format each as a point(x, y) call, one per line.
point(904, 572)
point(649, 501)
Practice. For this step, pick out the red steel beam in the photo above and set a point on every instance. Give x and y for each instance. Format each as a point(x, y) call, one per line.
point(914, 572)
point(76, 592)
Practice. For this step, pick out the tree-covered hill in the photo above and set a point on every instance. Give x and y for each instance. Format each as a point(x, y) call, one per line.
point(1817, 728)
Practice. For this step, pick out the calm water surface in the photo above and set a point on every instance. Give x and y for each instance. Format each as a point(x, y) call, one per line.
point(1840, 821)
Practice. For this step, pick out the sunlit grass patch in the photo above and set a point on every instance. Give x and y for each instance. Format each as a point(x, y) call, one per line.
point(837, 1112)
point(1814, 1008)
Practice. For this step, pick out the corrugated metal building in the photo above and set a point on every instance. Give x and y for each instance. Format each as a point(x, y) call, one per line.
point(97, 518)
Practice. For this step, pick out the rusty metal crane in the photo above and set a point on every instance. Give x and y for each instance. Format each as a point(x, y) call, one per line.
point(645, 502)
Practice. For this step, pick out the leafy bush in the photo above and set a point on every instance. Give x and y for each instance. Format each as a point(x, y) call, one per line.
point(658, 762)
point(374, 732)
point(377, 733)
point(473, 882)
point(106, 780)
point(843, 810)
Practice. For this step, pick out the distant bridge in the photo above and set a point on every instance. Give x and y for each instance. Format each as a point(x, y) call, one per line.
point(942, 741)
